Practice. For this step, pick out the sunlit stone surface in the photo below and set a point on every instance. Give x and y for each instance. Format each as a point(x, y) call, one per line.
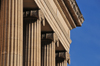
point(37, 32)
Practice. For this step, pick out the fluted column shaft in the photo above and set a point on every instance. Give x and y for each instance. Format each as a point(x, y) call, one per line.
point(11, 33)
point(32, 43)
point(48, 54)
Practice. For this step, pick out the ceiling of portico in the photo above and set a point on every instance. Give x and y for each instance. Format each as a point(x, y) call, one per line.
point(29, 4)
point(60, 48)
point(46, 28)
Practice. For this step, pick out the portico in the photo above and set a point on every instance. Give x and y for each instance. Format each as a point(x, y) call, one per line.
point(37, 32)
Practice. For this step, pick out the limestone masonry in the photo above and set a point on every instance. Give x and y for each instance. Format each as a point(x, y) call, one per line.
point(37, 32)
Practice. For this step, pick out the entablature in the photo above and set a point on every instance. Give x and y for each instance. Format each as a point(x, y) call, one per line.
point(74, 11)
point(56, 21)
point(65, 13)
point(61, 17)
point(71, 11)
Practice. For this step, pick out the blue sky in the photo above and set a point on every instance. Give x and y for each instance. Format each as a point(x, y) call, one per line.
point(85, 46)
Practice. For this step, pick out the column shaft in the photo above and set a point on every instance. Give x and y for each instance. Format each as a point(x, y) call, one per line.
point(48, 54)
point(60, 64)
point(65, 62)
point(29, 44)
point(11, 37)
point(39, 43)
point(45, 57)
point(32, 48)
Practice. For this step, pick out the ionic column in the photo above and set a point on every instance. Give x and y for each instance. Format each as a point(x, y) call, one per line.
point(48, 54)
point(50, 49)
point(53, 53)
point(11, 37)
point(39, 44)
point(32, 48)
point(42, 55)
point(45, 57)
point(25, 48)
point(35, 42)
point(65, 62)
point(38, 51)
point(60, 64)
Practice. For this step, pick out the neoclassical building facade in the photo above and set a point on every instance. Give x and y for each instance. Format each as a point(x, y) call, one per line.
point(37, 32)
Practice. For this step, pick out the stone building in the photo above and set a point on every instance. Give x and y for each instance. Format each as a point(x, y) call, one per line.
point(37, 32)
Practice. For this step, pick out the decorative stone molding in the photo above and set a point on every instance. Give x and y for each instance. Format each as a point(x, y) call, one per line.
point(54, 22)
point(74, 11)
point(68, 57)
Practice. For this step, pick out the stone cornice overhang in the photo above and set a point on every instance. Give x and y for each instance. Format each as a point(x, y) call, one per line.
point(54, 22)
point(65, 13)
point(74, 11)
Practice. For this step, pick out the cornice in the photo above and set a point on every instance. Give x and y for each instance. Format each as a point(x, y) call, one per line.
point(74, 11)
point(54, 22)
point(65, 13)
